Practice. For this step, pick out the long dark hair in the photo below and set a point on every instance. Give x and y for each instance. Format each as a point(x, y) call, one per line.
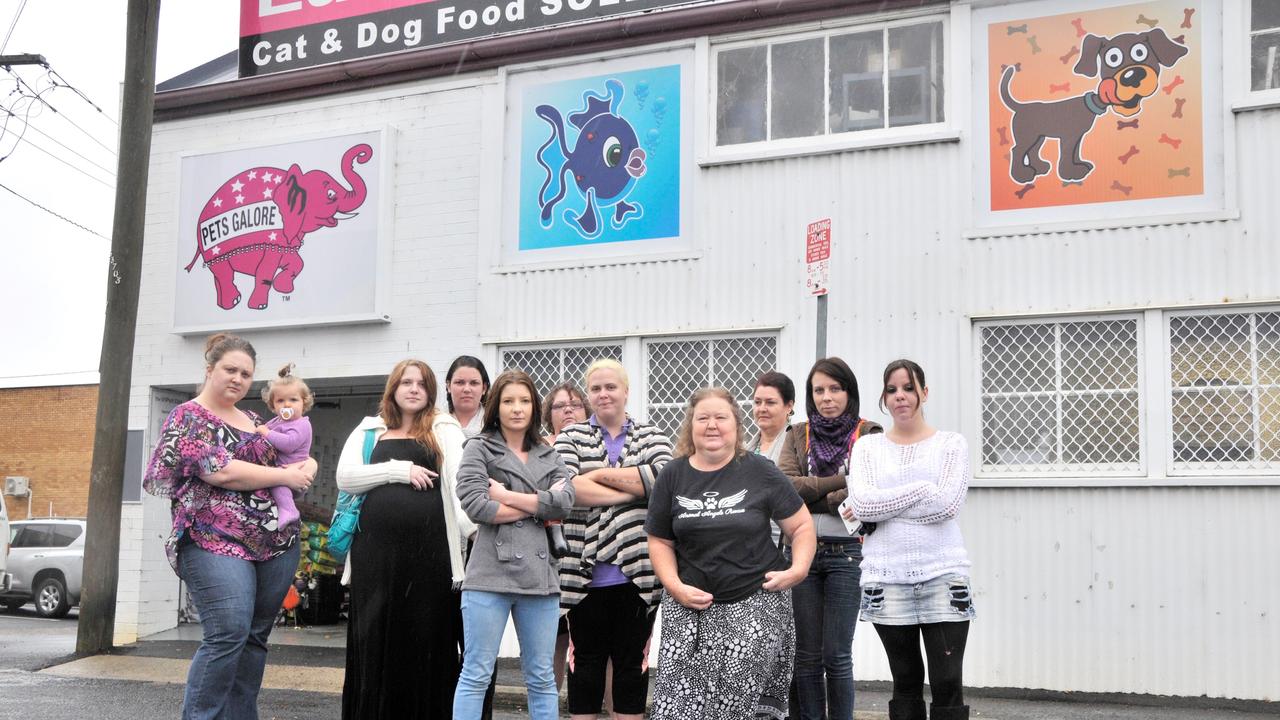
point(492, 422)
point(461, 362)
point(838, 370)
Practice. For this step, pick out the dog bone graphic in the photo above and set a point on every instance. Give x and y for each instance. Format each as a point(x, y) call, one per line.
point(1016, 66)
point(1025, 189)
point(1074, 51)
point(1181, 39)
point(1004, 135)
point(1184, 172)
point(1177, 110)
point(1126, 189)
point(1173, 142)
point(1035, 48)
point(1168, 89)
point(1124, 159)
point(1079, 23)
point(1012, 29)
point(1077, 183)
point(1122, 124)
point(1144, 20)
point(1186, 17)
point(1064, 87)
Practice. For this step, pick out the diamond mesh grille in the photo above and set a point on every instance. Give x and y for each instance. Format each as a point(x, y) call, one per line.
point(1061, 397)
point(1225, 375)
point(551, 366)
point(677, 368)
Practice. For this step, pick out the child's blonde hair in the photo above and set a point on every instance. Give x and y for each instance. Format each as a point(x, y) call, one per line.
point(286, 378)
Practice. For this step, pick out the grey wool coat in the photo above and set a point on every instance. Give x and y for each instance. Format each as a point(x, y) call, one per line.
point(512, 557)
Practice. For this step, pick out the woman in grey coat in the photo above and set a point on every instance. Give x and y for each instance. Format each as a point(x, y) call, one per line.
point(510, 483)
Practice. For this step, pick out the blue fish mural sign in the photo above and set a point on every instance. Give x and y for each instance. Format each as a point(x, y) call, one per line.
point(605, 162)
point(601, 160)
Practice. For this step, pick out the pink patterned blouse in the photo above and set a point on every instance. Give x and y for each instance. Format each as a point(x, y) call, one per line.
point(236, 523)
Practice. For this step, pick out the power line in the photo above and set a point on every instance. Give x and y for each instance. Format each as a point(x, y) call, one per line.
point(60, 217)
point(22, 6)
point(59, 144)
point(94, 178)
point(62, 82)
point(46, 103)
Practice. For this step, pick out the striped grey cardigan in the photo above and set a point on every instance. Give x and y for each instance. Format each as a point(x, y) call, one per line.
point(612, 534)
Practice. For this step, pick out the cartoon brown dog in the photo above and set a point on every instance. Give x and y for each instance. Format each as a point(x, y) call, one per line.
point(1129, 68)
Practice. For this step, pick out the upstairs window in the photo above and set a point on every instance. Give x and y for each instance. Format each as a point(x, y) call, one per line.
point(1264, 45)
point(841, 81)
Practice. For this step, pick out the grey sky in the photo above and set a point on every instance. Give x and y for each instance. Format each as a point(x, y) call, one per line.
point(54, 285)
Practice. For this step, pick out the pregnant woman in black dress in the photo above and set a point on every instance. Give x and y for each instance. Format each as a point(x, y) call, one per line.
point(405, 623)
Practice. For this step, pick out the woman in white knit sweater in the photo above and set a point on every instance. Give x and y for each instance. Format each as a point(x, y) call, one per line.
point(912, 481)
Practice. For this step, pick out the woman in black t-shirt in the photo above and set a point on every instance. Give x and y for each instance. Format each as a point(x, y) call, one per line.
point(728, 638)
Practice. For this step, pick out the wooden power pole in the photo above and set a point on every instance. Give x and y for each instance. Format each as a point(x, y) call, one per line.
point(115, 366)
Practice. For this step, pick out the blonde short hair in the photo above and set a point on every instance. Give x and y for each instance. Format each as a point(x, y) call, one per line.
point(606, 364)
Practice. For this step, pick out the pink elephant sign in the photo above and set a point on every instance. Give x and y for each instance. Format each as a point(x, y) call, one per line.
point(253, 220)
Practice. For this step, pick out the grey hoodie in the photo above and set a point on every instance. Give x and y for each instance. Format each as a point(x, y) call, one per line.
point(512, 557)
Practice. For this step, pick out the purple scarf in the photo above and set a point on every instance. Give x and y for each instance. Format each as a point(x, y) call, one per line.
point(829, 444)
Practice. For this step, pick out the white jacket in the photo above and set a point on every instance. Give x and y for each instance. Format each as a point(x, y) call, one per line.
point(355, 477)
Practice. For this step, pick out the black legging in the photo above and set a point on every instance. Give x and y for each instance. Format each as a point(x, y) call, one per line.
point(943, 647)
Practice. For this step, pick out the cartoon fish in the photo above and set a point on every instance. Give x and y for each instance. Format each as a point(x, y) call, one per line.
point(606, 160)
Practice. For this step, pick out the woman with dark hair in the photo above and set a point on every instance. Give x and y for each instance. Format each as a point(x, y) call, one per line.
point(406, 561)
point(772, 404)
point(227, 543)
point(465, 387)
point(510, 483)
point(565, 405)
point(816, 458)
point(912, 482)
point(728, 637)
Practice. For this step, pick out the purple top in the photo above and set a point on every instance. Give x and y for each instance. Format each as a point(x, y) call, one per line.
point(290, 438)
point(608, 574)
point(239, 524)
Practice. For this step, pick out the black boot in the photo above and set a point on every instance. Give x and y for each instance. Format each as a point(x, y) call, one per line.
point(906, 709)
point(954, 712)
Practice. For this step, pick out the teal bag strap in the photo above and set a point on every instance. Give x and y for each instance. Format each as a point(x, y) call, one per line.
point(370, 439)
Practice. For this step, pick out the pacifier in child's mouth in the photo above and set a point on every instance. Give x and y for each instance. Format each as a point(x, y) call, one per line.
point(286, 413)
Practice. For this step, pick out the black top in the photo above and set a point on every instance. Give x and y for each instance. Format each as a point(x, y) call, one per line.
point(719, 522)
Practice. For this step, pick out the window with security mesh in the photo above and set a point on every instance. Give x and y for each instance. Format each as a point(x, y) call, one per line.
point(1225, 380)
point(550, 366)
point(676, 368)
point(1061, 396)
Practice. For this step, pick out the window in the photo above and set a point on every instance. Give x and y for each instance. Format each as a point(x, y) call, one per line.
point(32, 536)
point(676, 368)
point(1060, 396)
point(841, 81)
point(1225, 390)
point(551, 366)
point(65, 534)
point(1264, 45)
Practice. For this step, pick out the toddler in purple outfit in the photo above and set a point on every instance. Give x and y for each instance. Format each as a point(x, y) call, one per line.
point(289, 432)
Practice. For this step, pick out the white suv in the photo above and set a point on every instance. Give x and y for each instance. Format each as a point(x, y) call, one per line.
point(46, 558)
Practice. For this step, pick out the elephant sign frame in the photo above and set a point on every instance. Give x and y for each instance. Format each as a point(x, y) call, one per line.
point(252, 220)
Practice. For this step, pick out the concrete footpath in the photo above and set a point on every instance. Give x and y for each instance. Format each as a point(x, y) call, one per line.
point(311, 677)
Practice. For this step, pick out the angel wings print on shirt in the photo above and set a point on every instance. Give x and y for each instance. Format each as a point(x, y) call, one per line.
point(711, 504)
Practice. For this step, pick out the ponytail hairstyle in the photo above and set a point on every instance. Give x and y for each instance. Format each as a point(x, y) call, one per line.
point(392, 416)
point(220, 344)
point(285, 378)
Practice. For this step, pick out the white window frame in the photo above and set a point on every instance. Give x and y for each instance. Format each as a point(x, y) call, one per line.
point(1269, 473)
point(945, 131)
point(1028, 477)
point(562, 346)
point(1248, 98)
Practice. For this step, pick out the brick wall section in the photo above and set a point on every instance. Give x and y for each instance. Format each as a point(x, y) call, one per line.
point(46, 434)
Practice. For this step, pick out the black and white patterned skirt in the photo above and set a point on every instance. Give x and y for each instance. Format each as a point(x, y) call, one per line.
point(728, 662)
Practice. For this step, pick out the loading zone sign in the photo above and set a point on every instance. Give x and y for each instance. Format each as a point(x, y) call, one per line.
point(817, 256)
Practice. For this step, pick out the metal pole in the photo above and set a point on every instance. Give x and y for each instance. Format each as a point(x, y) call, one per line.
point(115, 366)
point(822, 326)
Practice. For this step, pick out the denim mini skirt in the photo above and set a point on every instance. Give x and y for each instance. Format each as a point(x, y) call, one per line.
point(943, 599)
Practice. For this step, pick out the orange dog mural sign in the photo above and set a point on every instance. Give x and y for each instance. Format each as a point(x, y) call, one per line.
point(1101, 105)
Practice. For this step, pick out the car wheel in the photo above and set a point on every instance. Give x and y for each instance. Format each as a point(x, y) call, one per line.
point(51, 598)
point(13, 605)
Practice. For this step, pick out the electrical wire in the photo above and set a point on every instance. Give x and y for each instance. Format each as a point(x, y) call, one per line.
point(59, 144)
point(22, 6)
point(62, 82)
point(46, 103)
point(60, 217)
point(94, 178)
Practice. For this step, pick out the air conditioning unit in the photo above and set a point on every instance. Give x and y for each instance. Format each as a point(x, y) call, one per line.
point(18, 486)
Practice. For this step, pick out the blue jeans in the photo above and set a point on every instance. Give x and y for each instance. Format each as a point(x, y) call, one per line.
point(484, 618)
point(238, 601)
point(826, 609)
